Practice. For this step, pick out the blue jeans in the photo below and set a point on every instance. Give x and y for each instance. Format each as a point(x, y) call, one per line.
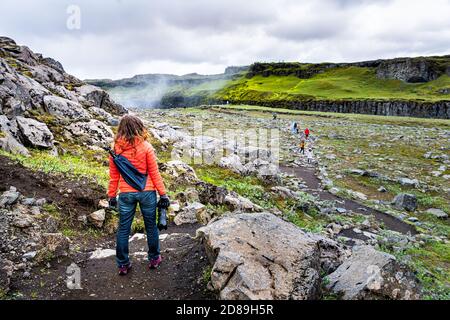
point(127, 208)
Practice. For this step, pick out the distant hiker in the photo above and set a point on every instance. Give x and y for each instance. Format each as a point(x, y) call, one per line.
point(309, 155)
point(302, 146)
point(274, 116)
point(294, 128)
point(131, 143)
point(306, 133)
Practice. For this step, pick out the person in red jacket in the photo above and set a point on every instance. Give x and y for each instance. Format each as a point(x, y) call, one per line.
point(306, 133)
point(131, 142)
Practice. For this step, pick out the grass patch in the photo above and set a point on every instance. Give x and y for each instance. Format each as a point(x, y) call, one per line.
point(374, 119)
point(72, 165)
point(431, 262)
point(248, 186)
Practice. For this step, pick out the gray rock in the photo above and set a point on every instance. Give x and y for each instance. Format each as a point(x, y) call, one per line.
point(93, 132)
point(29, 255)
point(413, 219)
point(232, 162)
point(9, 197)
point(260, 256)
point(35, 133)
point(438, 213)
point(405, 201)
point(53, 64)
point(408, 182)
point(12, 145)
point(180, 171)
point(96, 97)
point(190, 213)
point(97, 218)
point(382, 189)
point(28, 201)
point(64, 108)
point(357, 172)
point(40, 202)
point(23, 222)
point(369, 274)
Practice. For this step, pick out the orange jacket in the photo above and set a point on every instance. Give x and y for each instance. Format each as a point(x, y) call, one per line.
point(143, 158)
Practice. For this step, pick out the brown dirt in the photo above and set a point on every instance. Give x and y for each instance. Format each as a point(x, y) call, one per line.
point(82, 200)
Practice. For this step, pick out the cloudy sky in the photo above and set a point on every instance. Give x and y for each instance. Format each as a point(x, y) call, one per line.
point(121, 38)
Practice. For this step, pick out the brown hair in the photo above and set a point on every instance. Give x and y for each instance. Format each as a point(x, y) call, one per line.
point(130, 128)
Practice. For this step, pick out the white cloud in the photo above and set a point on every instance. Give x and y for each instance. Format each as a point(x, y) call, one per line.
point(122, 38)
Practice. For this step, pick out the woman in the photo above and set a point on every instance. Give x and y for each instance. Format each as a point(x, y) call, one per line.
point(131, 143)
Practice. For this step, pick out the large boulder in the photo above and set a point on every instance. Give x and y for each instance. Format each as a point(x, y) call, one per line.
point(35, 133)
point(438, 213)
point(260, 256)
point(96, 97)
point(232, 162)
point(182, 172)
point(64, 108)
point(10, 144)
point(405, 201)
point(215, 195)
point(193, 213)
point(372, 275)
point(93, 132)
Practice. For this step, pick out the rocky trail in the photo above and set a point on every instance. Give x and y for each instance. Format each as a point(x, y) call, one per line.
point(308, 175)
point(180, 276)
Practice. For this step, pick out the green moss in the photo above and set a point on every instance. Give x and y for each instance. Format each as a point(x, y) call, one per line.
point(51, 209)
point(206, 276)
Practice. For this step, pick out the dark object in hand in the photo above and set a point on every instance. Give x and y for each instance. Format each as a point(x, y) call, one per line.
point(162, 218)
point(112, 203)
point(164, 202)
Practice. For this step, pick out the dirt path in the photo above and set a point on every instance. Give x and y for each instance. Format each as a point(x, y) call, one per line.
point(308, 175)
point(180, 276)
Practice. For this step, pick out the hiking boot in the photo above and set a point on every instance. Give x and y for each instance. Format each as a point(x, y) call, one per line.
point(123, 270)
point(154, 263)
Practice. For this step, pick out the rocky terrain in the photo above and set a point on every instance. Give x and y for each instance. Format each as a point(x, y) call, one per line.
point(348, 194)
point(247, 221)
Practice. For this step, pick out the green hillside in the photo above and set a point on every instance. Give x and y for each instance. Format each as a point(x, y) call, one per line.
point(338, 83)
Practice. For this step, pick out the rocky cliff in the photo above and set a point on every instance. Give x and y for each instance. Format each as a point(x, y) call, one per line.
point(412, 70)
point(405, 108)
point(41, 106)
